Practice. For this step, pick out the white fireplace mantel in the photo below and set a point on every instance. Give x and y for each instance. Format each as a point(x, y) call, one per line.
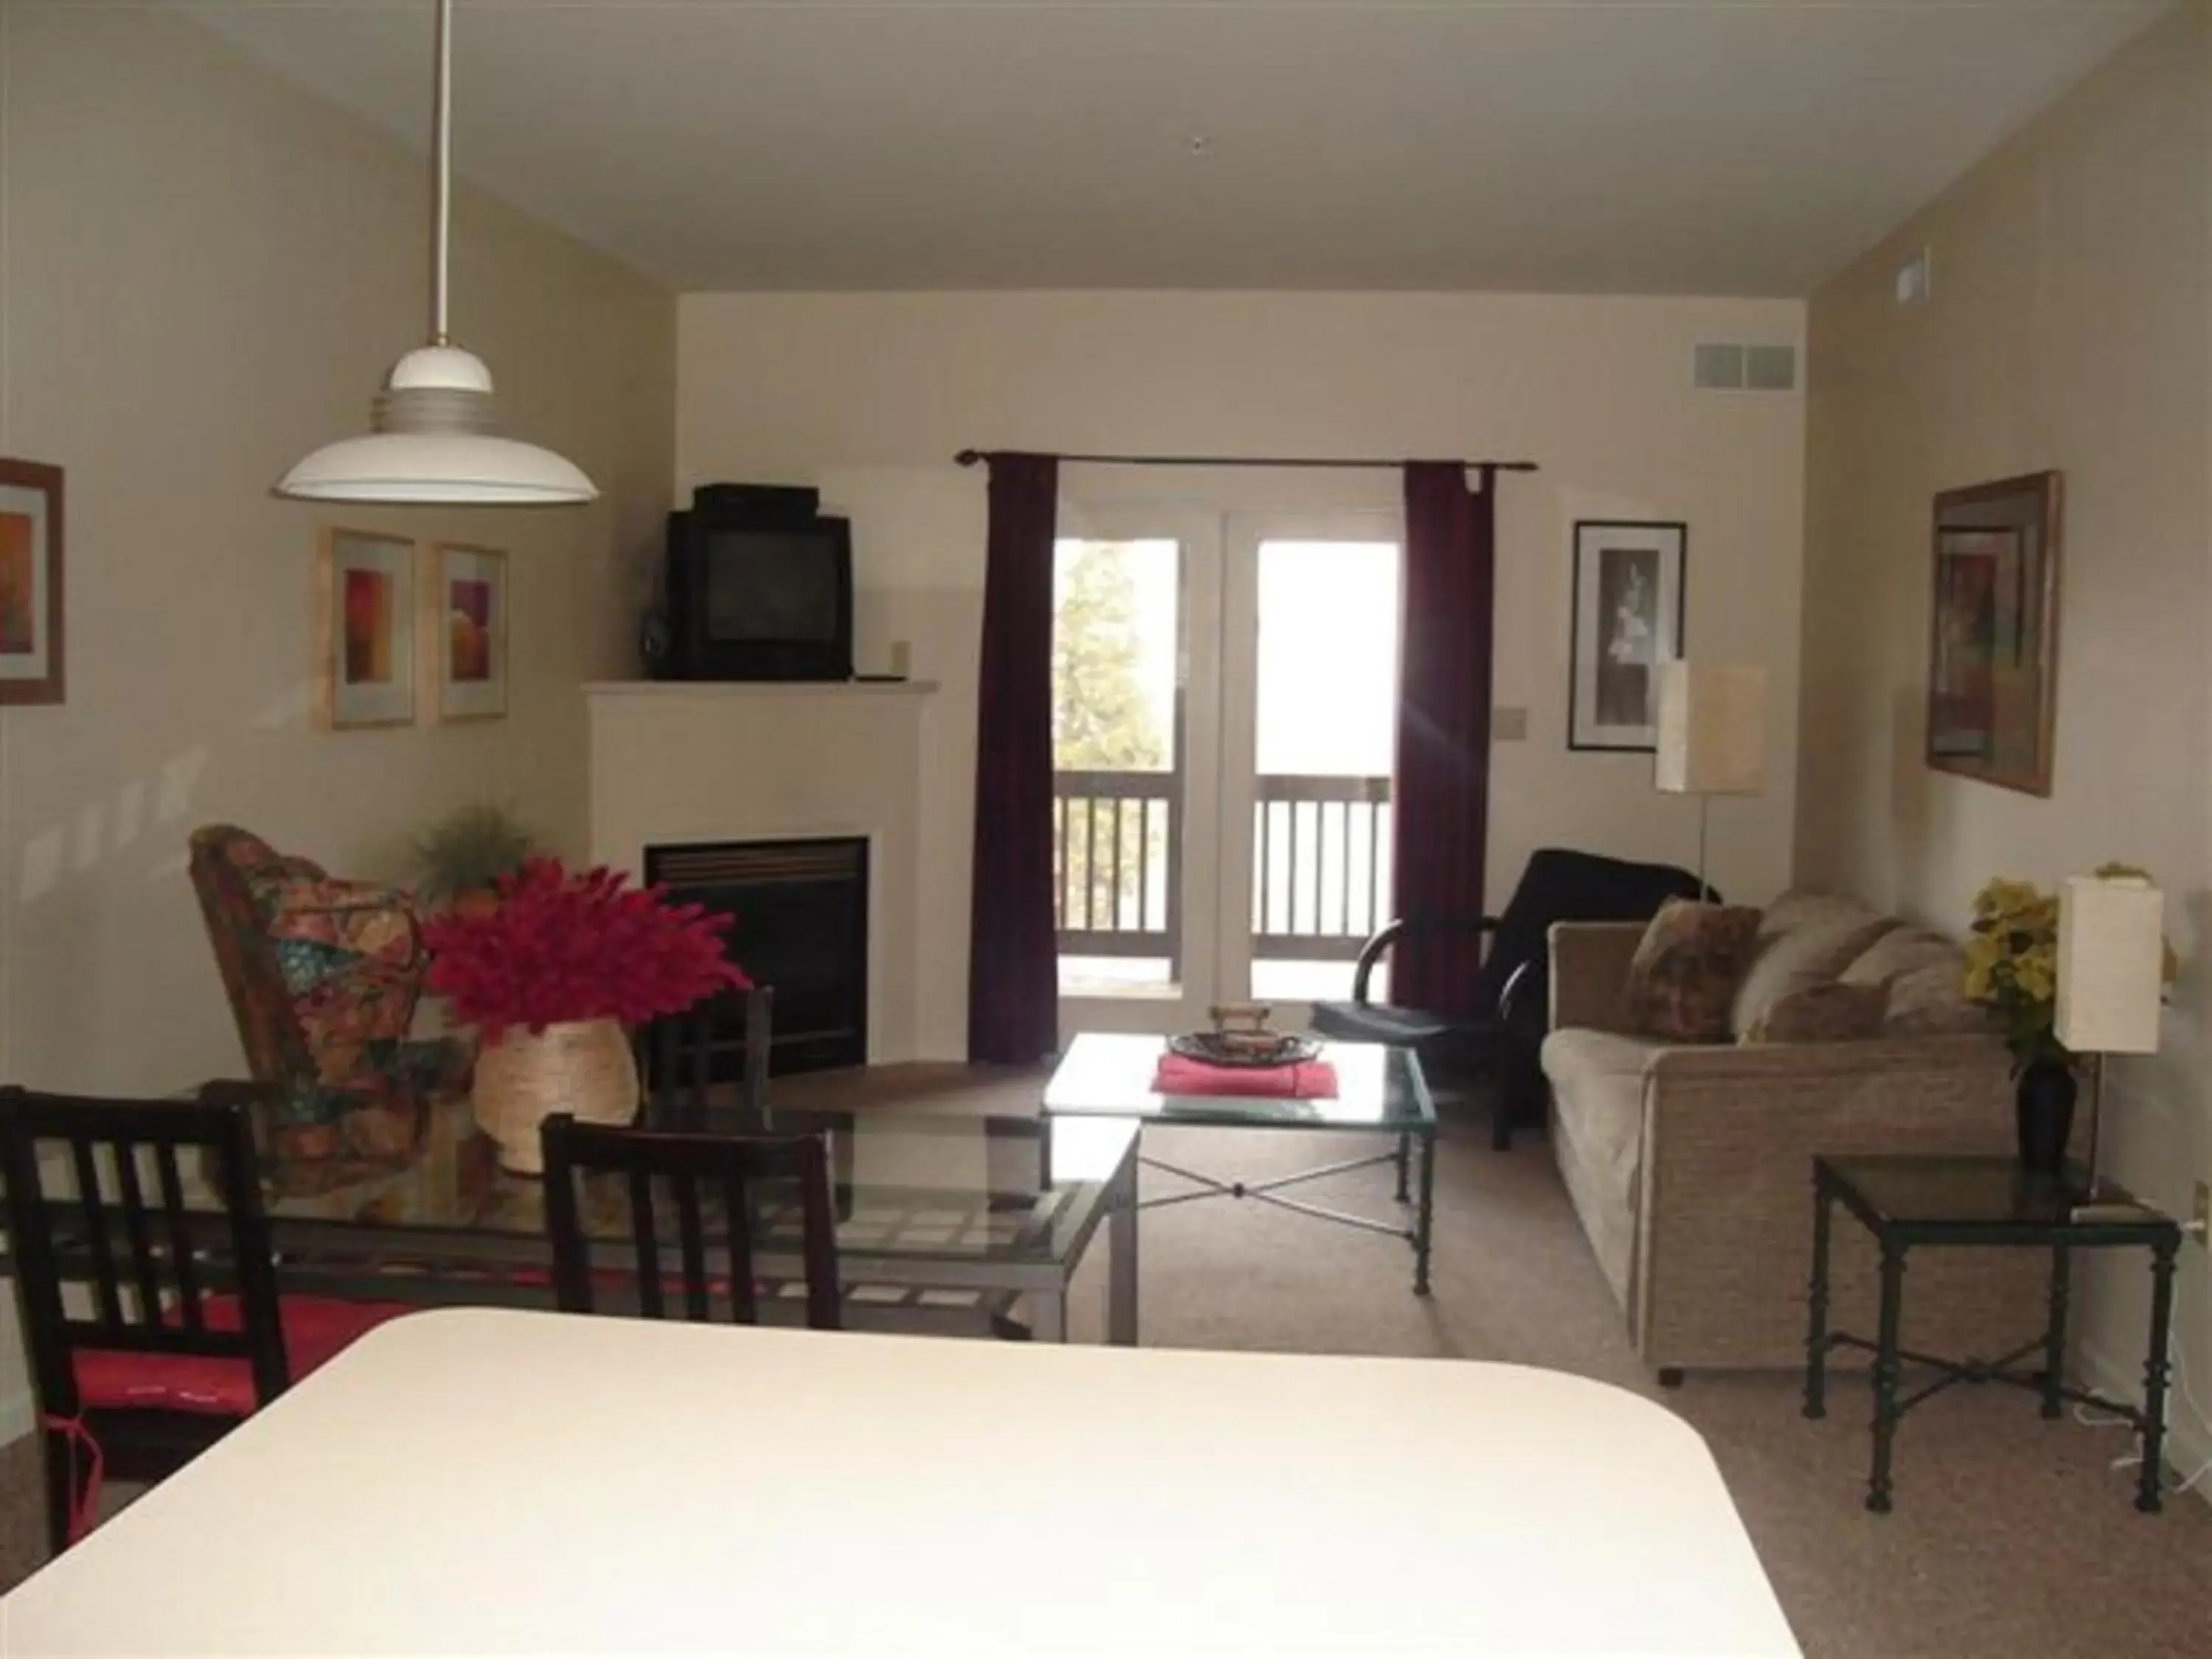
point(677, 762)
point(682, 689)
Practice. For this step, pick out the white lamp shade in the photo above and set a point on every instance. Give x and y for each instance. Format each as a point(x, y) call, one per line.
point(2112, 955)
point(434, 445)
point(1712, 729)
point(464, 468)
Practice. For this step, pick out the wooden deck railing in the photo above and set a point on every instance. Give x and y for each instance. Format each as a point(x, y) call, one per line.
point(1117, 864)
point(1320, 864)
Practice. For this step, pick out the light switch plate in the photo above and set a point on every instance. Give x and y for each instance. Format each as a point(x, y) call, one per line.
point(1509, 725)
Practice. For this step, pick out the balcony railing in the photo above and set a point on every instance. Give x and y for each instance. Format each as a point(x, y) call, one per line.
point(1320, 864)
point(1117, 864)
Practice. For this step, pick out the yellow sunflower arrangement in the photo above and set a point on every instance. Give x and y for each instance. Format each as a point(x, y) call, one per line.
point(2012, 964)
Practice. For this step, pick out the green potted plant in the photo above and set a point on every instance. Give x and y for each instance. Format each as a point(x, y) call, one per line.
point(459, 860)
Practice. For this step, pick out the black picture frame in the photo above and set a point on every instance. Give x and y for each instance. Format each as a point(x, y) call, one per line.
point(1588, 732)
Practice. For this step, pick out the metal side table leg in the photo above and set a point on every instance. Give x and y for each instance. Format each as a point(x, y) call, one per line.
point(1423, 1220)
point(1887, 1366)
point(2054, 1335)
point(1121, 1262)
point(1405, 1146)
point(2155, 1366)
point(1816, 1335)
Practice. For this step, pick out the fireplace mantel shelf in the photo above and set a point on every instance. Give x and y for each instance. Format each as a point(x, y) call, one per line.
point(760, 687)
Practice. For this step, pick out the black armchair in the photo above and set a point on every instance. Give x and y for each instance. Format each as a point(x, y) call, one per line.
point(1513, 989)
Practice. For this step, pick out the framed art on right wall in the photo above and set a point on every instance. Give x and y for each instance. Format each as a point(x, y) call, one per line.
point(1993, 641)
point(1628, 609)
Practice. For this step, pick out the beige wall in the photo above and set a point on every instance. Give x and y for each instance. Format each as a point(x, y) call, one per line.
point(870, 395)
point(2070, 327)
point(206, 272)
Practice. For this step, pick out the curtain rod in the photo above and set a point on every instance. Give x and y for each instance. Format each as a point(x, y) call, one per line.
point(970, 457)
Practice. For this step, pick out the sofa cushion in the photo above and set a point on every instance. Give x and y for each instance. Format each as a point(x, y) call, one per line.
point(1597, 1105)
point(1805, 906)
point(1931, 1002)
point(1682, 984)
point(1829, 1011)
point(1804, 939)
point(1576, 1055)
point(1924, 975)
point(1898, 951)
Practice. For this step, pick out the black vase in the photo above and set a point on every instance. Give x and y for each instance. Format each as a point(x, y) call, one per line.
point(2044, 1097)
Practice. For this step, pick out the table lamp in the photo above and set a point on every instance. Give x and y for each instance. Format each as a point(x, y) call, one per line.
point(1712, 736)
point(2112, 975)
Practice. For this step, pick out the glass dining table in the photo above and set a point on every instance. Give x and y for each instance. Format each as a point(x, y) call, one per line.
point(944, 1221)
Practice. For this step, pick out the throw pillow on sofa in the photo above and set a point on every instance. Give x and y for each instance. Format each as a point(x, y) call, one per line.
point(1804, 939)
point(1828, 1012)
point(1924, 975)
point(1681, 986)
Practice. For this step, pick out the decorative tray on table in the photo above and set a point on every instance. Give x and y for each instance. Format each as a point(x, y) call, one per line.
point(1241, 1037)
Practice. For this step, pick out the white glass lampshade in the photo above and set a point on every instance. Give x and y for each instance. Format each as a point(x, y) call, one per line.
point(434, 444)
point(2111, 956)
point(1712, 729)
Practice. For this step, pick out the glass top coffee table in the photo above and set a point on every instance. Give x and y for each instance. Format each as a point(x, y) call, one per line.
point(940, 1217)
point(1380, 1091)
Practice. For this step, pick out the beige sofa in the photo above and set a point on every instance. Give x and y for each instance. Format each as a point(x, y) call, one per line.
point(1691, 1168)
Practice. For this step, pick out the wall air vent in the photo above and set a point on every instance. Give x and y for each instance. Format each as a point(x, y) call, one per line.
point(1770, 368)
point(1721, 368)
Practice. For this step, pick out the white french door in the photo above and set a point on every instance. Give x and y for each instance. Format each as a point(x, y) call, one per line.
point(1224, 690)
point(1311, 696)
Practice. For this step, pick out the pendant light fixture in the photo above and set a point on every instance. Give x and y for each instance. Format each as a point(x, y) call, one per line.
point(433, 441)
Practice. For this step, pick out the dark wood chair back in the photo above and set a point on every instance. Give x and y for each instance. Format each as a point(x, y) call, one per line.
point(124, 1234)
point(702, 1178)
point(677, 1055)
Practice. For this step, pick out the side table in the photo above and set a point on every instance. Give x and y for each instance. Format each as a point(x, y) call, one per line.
point(1907, 1202)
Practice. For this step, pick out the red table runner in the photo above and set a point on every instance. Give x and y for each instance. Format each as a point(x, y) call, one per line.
point(1305, 1079)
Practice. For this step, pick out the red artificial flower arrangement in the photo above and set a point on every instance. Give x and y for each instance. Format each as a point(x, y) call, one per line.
point(561, 947)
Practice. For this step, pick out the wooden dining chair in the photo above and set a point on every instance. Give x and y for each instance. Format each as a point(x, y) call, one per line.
point(699, 1176)
point(186, 1334)
point(677, 1053)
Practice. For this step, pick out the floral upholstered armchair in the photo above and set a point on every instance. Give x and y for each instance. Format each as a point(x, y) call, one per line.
point(324, 976)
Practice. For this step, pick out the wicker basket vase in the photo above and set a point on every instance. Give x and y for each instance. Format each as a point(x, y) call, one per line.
point(584, 1067)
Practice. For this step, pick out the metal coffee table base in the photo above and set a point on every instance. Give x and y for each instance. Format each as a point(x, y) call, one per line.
point(1270, 1192)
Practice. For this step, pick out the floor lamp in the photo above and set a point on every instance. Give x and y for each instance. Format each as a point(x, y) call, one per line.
point(1712, 736)
point(2111, 975)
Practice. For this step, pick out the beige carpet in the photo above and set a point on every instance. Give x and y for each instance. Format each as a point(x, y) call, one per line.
point(2012, 1539)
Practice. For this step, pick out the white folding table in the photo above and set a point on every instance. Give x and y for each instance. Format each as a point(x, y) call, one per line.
point(479, 1480)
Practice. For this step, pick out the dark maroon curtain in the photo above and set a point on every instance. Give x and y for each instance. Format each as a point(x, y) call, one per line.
point(1013, 988)
point(1442, 795)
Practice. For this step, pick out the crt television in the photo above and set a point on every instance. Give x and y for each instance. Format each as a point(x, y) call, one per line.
point(760, 595)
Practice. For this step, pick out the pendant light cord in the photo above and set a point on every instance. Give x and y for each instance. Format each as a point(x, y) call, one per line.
point(441, 173)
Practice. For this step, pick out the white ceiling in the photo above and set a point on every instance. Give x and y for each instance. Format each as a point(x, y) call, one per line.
point(1636, 146)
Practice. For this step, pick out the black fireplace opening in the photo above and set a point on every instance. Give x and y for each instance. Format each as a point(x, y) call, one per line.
point(798, 924)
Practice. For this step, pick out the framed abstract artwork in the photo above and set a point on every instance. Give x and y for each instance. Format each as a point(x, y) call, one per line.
point(30, 582)
point(1993, 644)
point(364, 631)
point(1628, 610)
point(464, 630)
